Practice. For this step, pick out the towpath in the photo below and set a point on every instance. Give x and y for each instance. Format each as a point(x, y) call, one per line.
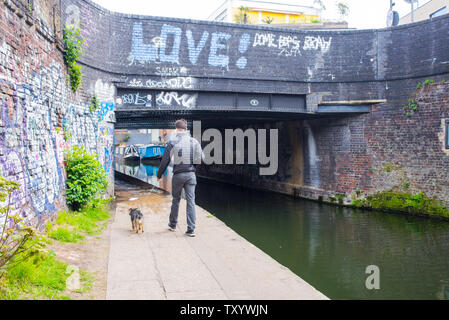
point(216, 264)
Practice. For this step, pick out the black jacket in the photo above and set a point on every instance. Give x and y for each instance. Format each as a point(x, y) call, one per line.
point(185, 151)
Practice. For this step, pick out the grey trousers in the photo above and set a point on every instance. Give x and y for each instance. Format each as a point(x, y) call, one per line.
point(186, 181)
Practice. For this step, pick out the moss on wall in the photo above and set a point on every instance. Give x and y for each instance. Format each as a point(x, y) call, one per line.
point(403, 202)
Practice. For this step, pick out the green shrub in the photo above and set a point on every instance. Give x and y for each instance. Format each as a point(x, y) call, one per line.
point(86, 178)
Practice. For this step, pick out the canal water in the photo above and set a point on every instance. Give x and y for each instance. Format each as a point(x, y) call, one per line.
point(330, 247)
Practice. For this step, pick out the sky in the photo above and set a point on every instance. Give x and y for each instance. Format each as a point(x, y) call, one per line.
point(364, 14)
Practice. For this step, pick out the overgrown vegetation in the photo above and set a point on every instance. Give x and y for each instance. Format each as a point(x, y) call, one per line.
point(38, 277)
point(95, 104)
point(411, 107)
point(71, 226)
point(72, 52)
point(27, 269)
point(425, 83)
point(86, 178)
point(403, 202)
point(18, 241)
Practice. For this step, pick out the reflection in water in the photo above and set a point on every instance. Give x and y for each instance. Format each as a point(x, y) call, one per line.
point(330, 247)
point(146, 172)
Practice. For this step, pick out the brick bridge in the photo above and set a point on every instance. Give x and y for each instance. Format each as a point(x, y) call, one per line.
point(156, 69)
point(347, 90)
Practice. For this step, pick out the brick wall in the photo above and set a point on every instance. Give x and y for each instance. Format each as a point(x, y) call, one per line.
point(38, 108)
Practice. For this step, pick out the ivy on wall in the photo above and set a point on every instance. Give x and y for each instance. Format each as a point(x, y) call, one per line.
point(94, 104)
point(72, 52)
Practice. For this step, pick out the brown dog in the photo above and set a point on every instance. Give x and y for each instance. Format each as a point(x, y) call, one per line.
point(136, 219)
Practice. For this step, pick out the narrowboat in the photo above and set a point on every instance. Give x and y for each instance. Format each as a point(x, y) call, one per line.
point(151, 151)
point(131, 154)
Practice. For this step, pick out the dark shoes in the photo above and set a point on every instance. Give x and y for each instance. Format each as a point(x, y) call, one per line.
point(190, 233)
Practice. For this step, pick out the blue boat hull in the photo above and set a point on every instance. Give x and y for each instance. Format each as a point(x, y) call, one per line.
point(151, 152)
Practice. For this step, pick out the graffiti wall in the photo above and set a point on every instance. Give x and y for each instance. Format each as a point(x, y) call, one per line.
point(40, 118)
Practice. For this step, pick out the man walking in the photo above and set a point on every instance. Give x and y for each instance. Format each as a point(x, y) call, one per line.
point(186, 152)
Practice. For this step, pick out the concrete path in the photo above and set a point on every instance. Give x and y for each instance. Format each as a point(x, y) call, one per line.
point(216, 264)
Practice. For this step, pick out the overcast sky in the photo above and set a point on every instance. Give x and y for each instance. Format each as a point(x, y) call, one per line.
point(364, 14)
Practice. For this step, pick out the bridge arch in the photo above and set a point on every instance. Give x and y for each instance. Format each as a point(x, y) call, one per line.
point(350, 87)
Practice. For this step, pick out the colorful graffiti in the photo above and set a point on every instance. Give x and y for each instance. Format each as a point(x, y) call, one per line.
point(32, 141)
point(105, 145)
point(107, 161)
point(28, 141)
point(106, 112)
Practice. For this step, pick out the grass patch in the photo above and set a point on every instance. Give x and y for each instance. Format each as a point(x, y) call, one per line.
point(87, 280)
point(39, 277)
point(403, 202)
point(65, 234)
point(72, 225)
point(43, 276)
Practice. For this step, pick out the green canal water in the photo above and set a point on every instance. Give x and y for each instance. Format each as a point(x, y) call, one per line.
point(330, 247)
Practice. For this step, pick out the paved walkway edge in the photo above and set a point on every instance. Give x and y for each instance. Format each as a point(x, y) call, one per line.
point(216, 264)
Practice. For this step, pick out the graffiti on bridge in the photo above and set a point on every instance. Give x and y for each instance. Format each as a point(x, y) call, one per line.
point(136, 99)
point(162, 99)
point(166, 47)
point(173, 83)
point(176, 99)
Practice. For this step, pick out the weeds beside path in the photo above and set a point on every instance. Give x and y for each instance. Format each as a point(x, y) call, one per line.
point(78, 239)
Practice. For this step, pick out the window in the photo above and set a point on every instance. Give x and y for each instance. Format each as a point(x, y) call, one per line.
point(438, 13)
point(447, 134)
